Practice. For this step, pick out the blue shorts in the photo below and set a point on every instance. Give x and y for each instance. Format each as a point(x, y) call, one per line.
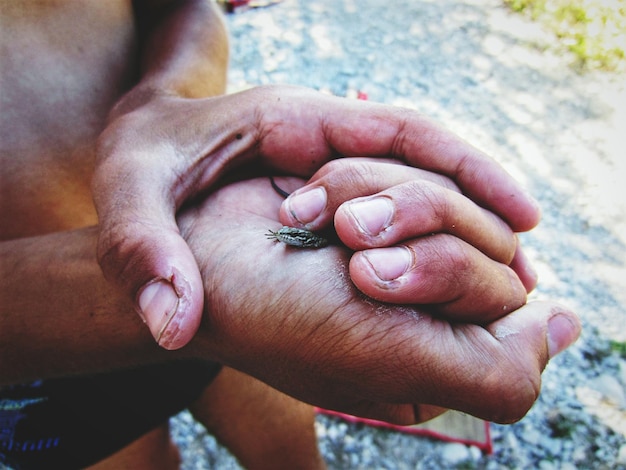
point(77, 421)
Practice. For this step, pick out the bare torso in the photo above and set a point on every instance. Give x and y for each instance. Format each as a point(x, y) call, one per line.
point(63, 64)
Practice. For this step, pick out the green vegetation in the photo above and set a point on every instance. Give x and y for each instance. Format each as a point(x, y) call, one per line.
point(593, 30)
point(562, 426)
point(619, 347)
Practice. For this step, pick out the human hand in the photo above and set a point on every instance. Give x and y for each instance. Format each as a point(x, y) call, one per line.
point(292, 318)
point(375, 204)
point(155, 157)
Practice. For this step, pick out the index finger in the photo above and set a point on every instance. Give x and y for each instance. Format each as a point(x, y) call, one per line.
point(315, 128)
point(420, 142)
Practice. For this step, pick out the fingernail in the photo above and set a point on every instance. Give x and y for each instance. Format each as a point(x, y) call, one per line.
point(562, 332)
point(158, 303)
point(372, 215)
point(389, 263)
point(307, 206)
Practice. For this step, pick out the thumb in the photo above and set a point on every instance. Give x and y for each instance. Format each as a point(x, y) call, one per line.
point(494, 372)
point(154, 265)
point(528, 338)
point(141, 251)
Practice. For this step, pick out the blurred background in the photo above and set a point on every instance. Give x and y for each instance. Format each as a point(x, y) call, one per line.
point(540, 86)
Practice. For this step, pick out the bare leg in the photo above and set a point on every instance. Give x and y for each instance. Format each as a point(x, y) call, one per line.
point(153, 451)
point(262, 427)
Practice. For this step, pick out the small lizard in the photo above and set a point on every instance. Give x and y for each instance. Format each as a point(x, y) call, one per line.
point(293, 236)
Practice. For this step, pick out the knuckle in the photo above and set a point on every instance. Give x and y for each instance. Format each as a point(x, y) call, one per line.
point(333, 166)
point(122, 255)
point(363, 175)
point(431, 200)
point(443, 267)
point(512, 391)
point(450, 254)
point(114, 251)
point(350, 178)
point(352, 171)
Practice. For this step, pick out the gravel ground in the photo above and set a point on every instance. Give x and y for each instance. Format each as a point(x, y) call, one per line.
point(492, 77)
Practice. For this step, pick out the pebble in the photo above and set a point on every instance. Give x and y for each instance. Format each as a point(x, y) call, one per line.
point(621, 455)
point(611, 389)
point(454, 453)
point(547, 465)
